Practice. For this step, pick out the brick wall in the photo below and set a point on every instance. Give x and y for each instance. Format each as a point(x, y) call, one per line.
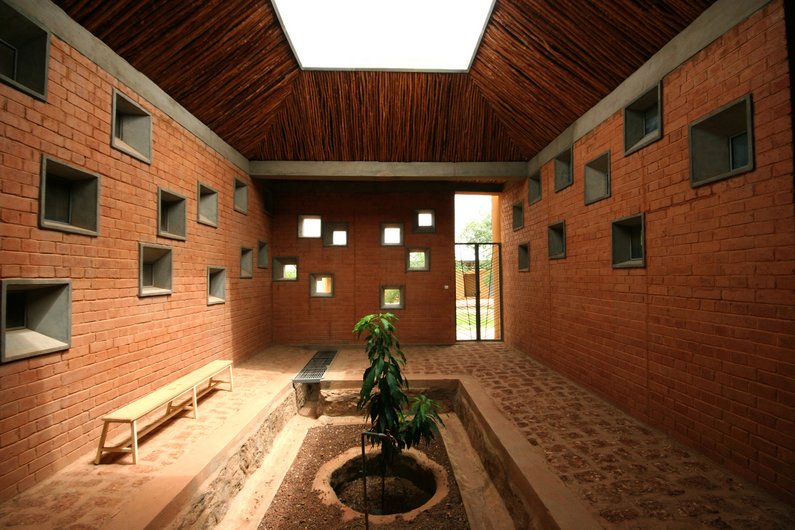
point(364, 265)
point(122, 345)
point(701, 341)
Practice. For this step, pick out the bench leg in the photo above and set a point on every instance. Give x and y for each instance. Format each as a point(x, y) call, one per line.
point(134, 429)
point(195, 405)
point(231, 379)
point(101, 442)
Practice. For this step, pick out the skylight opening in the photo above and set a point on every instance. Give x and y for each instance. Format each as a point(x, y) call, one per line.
point(406, 35)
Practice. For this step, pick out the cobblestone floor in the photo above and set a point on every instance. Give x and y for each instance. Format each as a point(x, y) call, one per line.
point(627, 474)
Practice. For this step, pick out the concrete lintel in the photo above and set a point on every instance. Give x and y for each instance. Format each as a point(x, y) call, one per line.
point(284, 169)
point(55, 20)
point(714, 22)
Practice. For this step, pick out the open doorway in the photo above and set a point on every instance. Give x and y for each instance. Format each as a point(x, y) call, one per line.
point(478, 277)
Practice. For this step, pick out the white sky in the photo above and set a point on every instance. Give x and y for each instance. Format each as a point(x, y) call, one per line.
point(384, 34)
point(469, 207)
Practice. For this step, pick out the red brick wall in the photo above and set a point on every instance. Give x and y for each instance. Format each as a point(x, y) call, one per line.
point(700, 343)
point(364, 265)
point(122, 345)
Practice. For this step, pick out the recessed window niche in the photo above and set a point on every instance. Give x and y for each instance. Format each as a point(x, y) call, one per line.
point(24, 53)
point(240, 196)
point(207, 205)
point(597, 178)
point(392, 297)
point(721, 143)
point(285, 269)
point(36, 317)
point(418, 259)
point(556, 240)
point(425, 221)
point(335, 234)
point(534, 188)
point(171, 215)
point(246, 262)
point(628, 242)
point(262, 255)
point(155, 270)
point(216, 285)
point(321, 285)
point(391, 234)
point(643, 120)
point(523, 257)
point(131, 128)
point(517, 215)
point(564, 169)
point(310, 226)
point(68, 198)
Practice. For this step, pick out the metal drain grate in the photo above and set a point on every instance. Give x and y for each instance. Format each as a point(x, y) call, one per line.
point(315, 369)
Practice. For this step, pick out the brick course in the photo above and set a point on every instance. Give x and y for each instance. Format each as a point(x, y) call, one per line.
point(699, 343)
point(122, 345)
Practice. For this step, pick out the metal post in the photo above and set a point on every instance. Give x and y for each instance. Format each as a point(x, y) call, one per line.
point(477, 291)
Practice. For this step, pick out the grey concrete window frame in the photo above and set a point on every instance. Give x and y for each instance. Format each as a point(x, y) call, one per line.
point(240, 196)
point(596, 179)
point(710, 142)
point(384, 226)
point(75, 190)
point(306, 217)
point(424, 229)
point(636, 133)
point(523, 257)
point(246, 263)
point(517, 215)
point(564, 169)
point(155, 270)
point(314, 277)
point(29, 47)
point(426, 251)
point(216, 285)
point(262, 254)
point(401, 296)
point(329, 228)
point(278, 265)
point(171, 215)
point(556, 240)
point(627, 234)
point(534, 188)
point(131, 128)
point(206, 205)
point(46, 315)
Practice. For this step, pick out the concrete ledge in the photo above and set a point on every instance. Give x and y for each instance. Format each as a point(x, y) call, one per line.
point(281, 169)
point(173, 492)
point(535, 496)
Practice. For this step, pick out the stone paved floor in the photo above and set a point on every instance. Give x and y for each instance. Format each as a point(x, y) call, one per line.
point(627, 474)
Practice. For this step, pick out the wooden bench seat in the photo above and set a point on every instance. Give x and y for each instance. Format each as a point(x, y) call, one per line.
point(186, 387)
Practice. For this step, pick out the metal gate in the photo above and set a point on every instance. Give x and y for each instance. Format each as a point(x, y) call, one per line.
point(478, 291)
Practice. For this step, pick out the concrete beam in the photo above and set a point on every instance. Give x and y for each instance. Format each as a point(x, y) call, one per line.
point(714, 22)
point(56, 21)
point(281, 170)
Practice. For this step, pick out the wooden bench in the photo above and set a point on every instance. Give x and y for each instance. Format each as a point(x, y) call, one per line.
point(164, 396)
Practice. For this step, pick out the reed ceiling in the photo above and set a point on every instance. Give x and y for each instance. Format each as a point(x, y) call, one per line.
point(541, 65)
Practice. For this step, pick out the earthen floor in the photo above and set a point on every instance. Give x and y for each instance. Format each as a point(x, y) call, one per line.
point(626, 474)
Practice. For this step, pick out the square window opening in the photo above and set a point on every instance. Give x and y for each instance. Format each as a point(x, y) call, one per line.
point(285, 269)
point(597, 178)
point(69, 198)
point(643, 120)
point(523, 257)
point(517, 215)
point(207, 211)
point(534, 188)
point(172, 209)
point(216, 285)
point(262, 254)
point(246, 262)
point(310, 226)
point(240, 196)
point(418, 259)
point(321, 285)
point(564, 173)
point(37, 318)
point(131, 128)
point(392, 297)
point(628, 242)
point(391, 234)
point(335, 234)
point(721, 143)
point(24, 53)
point(155, 270)
point(424, 220)
point(556, 240)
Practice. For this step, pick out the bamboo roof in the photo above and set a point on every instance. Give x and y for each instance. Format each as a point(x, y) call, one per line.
point(541, 64)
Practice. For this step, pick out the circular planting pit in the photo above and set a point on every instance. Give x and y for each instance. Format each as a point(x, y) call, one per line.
point(413, 484)
point(425, 490)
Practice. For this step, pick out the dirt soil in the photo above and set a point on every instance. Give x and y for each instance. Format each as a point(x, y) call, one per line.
point(297, 506)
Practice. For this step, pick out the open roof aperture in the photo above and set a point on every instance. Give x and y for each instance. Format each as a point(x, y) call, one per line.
point(408, 35)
